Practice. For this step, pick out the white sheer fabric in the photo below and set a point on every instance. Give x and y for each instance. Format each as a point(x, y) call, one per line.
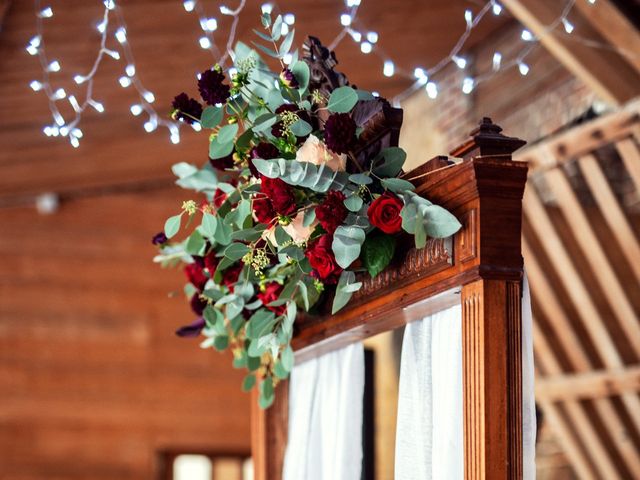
point(325, 417)
point(429, 435)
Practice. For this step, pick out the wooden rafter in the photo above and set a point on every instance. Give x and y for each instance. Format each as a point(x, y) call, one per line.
point(605, 72)
point(592, 384)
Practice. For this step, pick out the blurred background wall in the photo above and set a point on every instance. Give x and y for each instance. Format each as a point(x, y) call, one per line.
point(93, 383)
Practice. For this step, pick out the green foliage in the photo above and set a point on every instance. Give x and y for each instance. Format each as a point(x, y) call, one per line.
point(377, 251)
point(342, 100)
point(423, 219)
point(303, 174)
point(390, 161)
point(211, 117)
point(347, 241)
point(172, 225)
point(346, 287)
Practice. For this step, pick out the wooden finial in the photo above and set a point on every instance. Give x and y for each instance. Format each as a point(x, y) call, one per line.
point(487, 140)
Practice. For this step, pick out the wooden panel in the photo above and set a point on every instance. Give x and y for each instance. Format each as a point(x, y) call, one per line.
point(269, 434)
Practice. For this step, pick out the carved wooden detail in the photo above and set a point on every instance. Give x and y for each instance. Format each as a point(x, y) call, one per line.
point(514, 377)
point(436, 256)
point(467, 244)
point(322, 62)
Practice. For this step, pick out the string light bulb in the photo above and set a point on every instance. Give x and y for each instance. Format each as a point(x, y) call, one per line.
point(289, 18)
point(205, 43)
point(136, 109)
point(389, 68)
point(54, 66)
point(467, 85)
point(496, 8)
point(432, 90)
point(35, 85)
point(526, 35)
point(366, 47)
point(121, 35)
point(523, 68)
point(468, 17)
point(568, 26)
point(266, 8)
point(496, 61)
point(372, 37)
point(124, 81)
point(345, 19)
point(189, 5)
point(209, 24)
point(357, 36)
point(46, 12)
point(459, 61)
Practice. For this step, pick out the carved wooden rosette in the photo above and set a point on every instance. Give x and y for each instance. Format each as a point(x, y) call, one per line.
point(480, 268)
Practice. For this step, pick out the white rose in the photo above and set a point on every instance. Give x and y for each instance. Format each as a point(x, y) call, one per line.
point(315, 151)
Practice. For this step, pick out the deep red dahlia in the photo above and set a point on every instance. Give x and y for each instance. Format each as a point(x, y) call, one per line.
point(263, 210)
point(211, 88)
point(332, 212)
point(186, 109)
point(340, 132)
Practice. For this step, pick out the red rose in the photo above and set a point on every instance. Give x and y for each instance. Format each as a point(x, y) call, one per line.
point(211, 263)
point(280, 194)
point(230, 276)
point(271, 293)
point(263, 210)
point(384, 213)
point(196, 275)
point(332, 212)
point(219, 197)
point(322, 260)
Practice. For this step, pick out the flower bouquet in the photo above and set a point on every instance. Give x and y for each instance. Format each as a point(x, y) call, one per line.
point(301, 197)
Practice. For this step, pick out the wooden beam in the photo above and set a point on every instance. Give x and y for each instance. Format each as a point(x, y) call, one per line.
point(605, 72)
point(630, 155)
point(613, 25)
point(568, 340)
point(589, 385)
point(612, 211)
point(595, 256)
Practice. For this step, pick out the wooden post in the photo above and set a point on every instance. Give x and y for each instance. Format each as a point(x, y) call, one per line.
point(485, 192)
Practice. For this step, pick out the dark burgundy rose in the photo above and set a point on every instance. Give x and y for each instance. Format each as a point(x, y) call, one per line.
point(332, 212)
point(197, 304)
point(193, 329)
point(263, 210)
point(219, 197)
point(211, 263)
point(211, 88)
point(340, 132)
point(230, 276)
point(264, 150)
point(271, 293)
point(196, 275)
point(280, 194)
point(288, 78)
point(186, 109)
point(322, 260)
point(159, 239)
point(384, 213)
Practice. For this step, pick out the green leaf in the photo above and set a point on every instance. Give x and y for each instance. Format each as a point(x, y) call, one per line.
point(304, 174)
point(266, 38)
point(280, 371)
point(397, 185)
point(422, 218)
point(304, 294)
point(227, 133)
point(377, 252)
point(208, 225)
point(347, 241)
point(364, 95)
point(221, 342)
point(286, 43)
point(253, 363)
point(218, 150)
point(266, 393)
point(344, 290)
point(287, 358)
point(248, 382)
point(265, 19)
point(309, 217)
point(264, 122)
point(260, 324)
point(195, 244)
point(211, 117)
point(236, 251)
point(353, 202)
point(300, 128)
point(301, 71)
point(392, 161)
point(172, 225)
point(268, 51)
point(342, 100)
point(244, 140)
point(222, 234)
point(276, 30)
point(282, 237)
point(360, 178)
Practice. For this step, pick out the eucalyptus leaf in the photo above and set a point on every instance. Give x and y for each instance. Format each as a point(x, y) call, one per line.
point(249, 382)
point(391, 162)
point(172, 225)
point(342, 100)
point(236, 251)
point(377, 251)
point(360, 179)
point(268, 51)
point(300, 128)
point(195, 244)
point(397, 185)
point(208, 225)
point(286, 43)
point(301, 71)
point(347, 242)
point(260, 324)
point(211, 117)
point(303, 174)
point(344, 290)
point(218, 150)
point(221, 342)
point(227, 133)
point(353, 202)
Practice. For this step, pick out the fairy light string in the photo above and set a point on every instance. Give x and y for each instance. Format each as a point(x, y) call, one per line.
point(351, 26)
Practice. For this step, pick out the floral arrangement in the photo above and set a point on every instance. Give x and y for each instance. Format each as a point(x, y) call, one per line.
point(290, 213)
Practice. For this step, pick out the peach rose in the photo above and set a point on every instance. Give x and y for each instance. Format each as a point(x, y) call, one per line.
point(297, 231)
point(315, 151)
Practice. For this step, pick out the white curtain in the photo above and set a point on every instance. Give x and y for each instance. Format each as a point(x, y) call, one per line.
point(429, 435)
point(325, 417)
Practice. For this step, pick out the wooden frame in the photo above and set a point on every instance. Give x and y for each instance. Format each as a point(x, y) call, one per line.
point(481, 268)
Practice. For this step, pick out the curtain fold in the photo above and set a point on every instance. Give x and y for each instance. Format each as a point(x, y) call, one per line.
point(429, 434)
point(325, 417)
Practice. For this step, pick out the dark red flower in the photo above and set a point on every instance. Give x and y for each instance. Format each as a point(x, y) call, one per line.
point(193, 329)
point(222, 163)
point(197, 304)
point(280, 194)
point(230, 275)
point(271, 293)
point(159, 239)
point(186, 109)
point(340, 132)
point(288, 78)
point(211, 88)
point(219, 197)
point(211, 263)
point(196, 275)
point(384, 213)
point(263, 210)
point(263, 150)
point(322, 260)
point(332, 212)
